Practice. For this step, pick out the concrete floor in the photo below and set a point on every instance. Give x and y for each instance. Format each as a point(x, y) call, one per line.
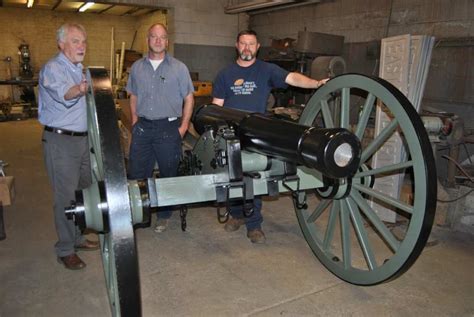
point(206, 271)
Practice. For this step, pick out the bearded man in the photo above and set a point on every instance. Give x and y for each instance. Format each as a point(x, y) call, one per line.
point(246, 85)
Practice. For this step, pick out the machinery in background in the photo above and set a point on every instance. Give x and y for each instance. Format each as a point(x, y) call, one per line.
point(447, 132)
point(320, 54)
point(26, 71)
point(317, 55)
point(22, 87)
point(27, 92)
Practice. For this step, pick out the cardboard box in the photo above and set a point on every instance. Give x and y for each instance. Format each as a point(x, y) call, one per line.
point(202, 88)
point(7, 190)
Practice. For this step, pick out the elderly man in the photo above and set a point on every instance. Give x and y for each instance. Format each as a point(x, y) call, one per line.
point(62, 111)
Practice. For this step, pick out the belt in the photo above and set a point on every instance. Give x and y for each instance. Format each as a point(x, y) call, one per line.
point(65, 132)
point(170, 119)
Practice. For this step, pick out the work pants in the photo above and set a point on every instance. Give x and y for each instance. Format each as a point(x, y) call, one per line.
point(155, 141)
point(67, 163)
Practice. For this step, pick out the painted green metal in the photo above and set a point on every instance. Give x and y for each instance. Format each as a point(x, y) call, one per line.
point(253, 162)
point(170, 190)
point(345, 233)
point(92, 199)
point(136, 203)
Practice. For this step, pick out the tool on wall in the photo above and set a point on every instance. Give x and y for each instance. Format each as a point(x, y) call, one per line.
point(314, 54)
point(26, 71)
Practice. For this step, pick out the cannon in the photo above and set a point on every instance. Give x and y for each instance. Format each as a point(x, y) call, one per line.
point(324, 161)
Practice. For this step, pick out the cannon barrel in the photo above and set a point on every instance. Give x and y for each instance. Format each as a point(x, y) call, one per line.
point(334, 152)
point(343, 226)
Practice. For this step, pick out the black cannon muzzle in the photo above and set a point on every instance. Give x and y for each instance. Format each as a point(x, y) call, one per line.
point(333, 152)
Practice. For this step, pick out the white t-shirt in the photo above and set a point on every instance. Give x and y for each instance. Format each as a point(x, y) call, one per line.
point(155, 63)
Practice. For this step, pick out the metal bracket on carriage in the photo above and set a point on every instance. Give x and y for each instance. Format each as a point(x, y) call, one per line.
point(223, 196)
point(295, 192)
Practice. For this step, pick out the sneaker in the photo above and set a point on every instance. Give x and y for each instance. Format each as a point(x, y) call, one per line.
point(161, 225)
point(256, 236)
point(233, 224)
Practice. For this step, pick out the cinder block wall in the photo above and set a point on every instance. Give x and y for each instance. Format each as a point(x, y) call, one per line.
point(38, 29)
point(451, 74)
point(367, 20)
point(199, 23)
point(201, 34)
point(142, 26)
point(450, 79)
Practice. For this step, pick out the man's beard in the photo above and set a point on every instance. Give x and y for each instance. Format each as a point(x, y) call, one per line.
point(246, 57)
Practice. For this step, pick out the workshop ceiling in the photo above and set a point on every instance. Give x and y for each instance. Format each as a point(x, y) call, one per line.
point(74, 6)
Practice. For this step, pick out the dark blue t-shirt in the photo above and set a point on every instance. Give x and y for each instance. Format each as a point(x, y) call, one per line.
point(248, 88)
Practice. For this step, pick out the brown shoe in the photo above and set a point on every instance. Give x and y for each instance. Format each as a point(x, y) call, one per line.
point(88, 245)
point(72, 262)
point(233, 224)
point(256, 236)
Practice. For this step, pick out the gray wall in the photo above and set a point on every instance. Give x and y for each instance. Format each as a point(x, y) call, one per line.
point(207, 60)
point(367, 20)
point(450, 78)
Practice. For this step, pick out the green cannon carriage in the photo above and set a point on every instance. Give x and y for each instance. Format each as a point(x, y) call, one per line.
point(324, 161)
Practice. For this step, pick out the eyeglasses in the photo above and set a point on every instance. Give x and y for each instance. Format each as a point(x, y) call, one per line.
point(154, 37)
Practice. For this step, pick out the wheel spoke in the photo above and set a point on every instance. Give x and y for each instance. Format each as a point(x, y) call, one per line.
point(375, 220)
point(384, 135)
point(359, 262)
point(318, 211)
point(329, 234)
point(361, 233)
point(327, 116)
point(345, 234)
point(385, 169)
point(345, 103)
point(385, 198)
point(365, 115)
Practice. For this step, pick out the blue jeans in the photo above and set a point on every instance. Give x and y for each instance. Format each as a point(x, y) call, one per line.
point(255, 220)
point(155, 141)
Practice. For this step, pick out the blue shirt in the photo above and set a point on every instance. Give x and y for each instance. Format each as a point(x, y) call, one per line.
point(56, 77)
point(160, 93)
point(248, 88)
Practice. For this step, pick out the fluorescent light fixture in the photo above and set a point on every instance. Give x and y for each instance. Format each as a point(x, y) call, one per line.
point(254, 5)
point(29, 4)
point(86, 6)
